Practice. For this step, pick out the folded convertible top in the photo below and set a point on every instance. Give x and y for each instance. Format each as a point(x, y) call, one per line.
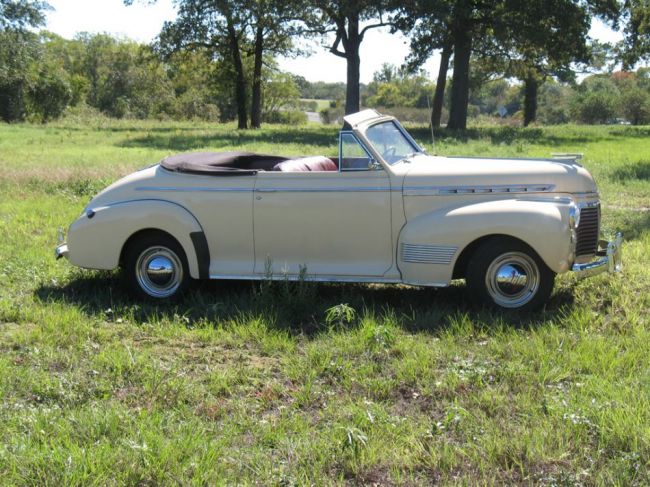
point(221, 163)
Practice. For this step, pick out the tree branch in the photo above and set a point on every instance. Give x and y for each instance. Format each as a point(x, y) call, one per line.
point(374, 26)
point(335, 47)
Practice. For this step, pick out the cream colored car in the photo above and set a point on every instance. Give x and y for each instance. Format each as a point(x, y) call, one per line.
point(383, 211)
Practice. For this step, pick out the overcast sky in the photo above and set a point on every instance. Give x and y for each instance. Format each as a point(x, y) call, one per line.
point(142, 22)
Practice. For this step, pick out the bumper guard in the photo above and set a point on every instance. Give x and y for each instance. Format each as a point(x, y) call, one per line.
point(61, 251)
point(609, 254)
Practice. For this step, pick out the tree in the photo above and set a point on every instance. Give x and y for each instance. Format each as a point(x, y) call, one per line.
point(550, 38)
point(596, 101)
point(345, 18)
point(396, 87)
point(19, 15)
point(530, 33)
point(274, 23)
point(458, 27)
point(19, 49)
point(218, 27)
point(636, 42)
point(230, 30)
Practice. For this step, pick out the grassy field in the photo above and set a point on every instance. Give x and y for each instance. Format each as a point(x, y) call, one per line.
point(311, 384)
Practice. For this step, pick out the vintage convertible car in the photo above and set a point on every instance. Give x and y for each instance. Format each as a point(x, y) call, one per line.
point(383, 211)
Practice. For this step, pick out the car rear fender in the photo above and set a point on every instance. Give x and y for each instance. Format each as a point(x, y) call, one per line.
point(430, 244)
point(96, 239)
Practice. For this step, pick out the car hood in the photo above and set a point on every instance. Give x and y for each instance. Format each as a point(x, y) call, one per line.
point(465, 173)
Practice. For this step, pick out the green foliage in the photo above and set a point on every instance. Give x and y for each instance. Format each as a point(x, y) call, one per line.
point(340, 315)
point(18, 15)
point(280, 93)
point(393, 87)
point(287, 117)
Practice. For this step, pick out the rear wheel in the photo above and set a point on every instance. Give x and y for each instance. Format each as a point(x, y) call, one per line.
point(155, 267)
point(508, 274)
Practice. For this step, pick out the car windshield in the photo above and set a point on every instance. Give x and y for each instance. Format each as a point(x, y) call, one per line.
point(390, 141)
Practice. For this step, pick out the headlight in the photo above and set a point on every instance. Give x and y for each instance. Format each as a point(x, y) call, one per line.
point(574, 216)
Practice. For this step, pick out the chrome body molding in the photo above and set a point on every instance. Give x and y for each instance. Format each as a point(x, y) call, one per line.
point(469, 190)
point(610, 260)
point(356, 189)
point(297, 277)
point(192, 189)
point(427, 254)
point(338, 189)
point(336, 279)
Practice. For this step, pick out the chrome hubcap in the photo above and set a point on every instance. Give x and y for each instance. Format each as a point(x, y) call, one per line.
point(159, 272)
point(512, 279)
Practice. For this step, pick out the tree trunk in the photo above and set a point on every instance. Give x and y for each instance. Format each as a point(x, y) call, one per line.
point(240, 78)
point(256, 107)
point(531, 86)
point(441, 84)
point(351, 45)
point(460, 80)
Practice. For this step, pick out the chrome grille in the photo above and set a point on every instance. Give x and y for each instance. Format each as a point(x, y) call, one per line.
point(588, 231)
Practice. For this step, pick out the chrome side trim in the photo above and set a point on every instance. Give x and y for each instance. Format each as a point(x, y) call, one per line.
point(192, 189)
point(357, 189)
point(337, 279)
point(339, 189)
point(487, 189)
point(427, 254)
point(297, 277)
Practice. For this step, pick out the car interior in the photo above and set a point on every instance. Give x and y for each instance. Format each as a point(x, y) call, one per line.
point(242, 163)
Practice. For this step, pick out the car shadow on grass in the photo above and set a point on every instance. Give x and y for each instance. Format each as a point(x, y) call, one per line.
point(297, 308)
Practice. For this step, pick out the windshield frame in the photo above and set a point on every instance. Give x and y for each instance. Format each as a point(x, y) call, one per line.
point(414, 145)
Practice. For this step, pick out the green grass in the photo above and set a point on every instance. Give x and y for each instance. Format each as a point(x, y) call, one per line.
point(244, 383)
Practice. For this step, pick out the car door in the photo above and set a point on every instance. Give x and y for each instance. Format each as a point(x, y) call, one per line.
point(335, 224)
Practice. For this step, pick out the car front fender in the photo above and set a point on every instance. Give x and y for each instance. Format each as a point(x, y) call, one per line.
point(430, 244)
point(96, 238)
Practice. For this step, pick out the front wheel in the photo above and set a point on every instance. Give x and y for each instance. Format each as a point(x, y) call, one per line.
point(508, 274)
point(155, 267)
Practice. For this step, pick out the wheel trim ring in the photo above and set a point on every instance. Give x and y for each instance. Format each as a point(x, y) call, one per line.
point(143, 272)
point(528, 268)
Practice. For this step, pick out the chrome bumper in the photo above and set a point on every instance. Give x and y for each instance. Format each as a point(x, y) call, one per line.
point(61, 251)
point(609, 261)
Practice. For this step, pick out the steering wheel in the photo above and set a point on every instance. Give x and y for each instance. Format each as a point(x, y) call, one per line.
point(389, 152)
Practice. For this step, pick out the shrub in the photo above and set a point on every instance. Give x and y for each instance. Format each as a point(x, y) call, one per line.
point(288, 117)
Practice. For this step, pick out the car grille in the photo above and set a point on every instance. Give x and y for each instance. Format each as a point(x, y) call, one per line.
point(588, 231)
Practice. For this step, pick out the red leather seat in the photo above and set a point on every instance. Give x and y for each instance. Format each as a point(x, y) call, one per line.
point(316, 163)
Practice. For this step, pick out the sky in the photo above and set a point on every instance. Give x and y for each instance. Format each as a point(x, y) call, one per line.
point(142, 22)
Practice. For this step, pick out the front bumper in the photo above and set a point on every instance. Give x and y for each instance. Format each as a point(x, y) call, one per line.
point(609, 254)
point(61, 251)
